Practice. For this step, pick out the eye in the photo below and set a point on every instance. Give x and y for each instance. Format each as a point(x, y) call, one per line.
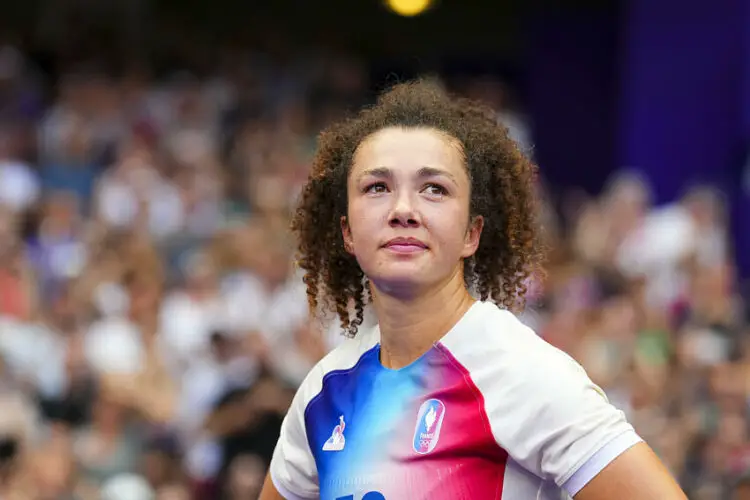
point(376, 188)
point(435, 190)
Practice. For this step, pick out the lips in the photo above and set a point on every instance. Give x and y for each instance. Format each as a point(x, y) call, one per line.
point(405, 245)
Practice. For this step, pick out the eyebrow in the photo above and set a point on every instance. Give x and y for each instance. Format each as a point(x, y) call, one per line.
point(386, 173)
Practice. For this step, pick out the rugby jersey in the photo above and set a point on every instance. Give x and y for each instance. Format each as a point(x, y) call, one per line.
point(491, 411)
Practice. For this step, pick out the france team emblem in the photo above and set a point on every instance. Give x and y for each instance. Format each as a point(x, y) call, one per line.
point(429, 422)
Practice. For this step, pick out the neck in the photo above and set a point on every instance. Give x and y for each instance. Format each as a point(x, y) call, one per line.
point(409, 328)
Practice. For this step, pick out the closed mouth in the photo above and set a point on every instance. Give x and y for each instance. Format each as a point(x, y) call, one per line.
point(406, 244)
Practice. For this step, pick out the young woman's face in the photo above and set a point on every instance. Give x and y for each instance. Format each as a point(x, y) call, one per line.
point(408, 220)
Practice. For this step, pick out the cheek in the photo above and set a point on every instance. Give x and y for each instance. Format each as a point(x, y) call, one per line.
point(364, 225)
point(453, 242)
point(448, 227)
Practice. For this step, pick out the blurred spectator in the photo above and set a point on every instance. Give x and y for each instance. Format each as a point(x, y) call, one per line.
point(19, 184)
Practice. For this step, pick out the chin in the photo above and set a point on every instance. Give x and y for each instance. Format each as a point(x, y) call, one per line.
point(400, 281)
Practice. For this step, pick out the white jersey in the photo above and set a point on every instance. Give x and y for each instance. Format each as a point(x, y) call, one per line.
point(491, 411)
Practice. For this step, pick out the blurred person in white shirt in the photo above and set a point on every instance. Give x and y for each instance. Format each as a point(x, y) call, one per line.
point(134, 194)
point(268, 299)
point(192, 312)
point(664, 240)
point(19, 429)
point(58, 249)
point(19, 184)
point(126, 353)
point(114, 343)
point(204, 383)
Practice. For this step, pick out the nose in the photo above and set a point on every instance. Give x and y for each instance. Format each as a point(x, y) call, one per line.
point(404, 213)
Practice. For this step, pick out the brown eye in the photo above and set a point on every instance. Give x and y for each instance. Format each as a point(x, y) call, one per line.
point(435, 190)
point(376, 188)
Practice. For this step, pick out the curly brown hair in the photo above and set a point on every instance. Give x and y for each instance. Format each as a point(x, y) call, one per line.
point(502, 191)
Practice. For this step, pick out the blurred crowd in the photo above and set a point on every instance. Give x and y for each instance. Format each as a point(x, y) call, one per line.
point(153, 328)
point(646, 299)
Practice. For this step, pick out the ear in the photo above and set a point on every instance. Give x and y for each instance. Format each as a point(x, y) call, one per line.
point(473, 233)
point(346, 232)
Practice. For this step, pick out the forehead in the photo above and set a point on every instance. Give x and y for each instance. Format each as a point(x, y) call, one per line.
point(409, 148)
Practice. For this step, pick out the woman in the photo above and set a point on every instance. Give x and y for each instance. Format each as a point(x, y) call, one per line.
point(419, 205)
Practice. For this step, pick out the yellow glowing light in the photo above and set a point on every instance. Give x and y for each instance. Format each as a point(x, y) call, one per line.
point(408, 8)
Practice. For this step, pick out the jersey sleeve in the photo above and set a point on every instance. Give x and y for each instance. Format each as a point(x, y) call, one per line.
point(572, 430)
point(293, 469)
point(543, 409)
